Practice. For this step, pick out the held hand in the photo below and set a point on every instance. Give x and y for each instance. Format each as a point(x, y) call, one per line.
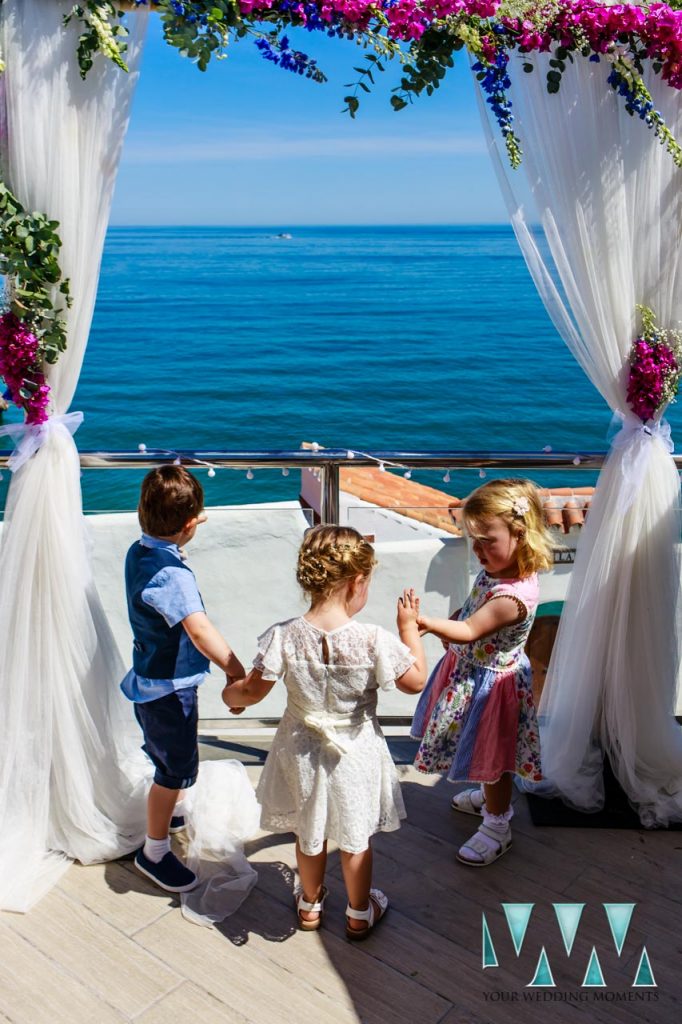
point(227, 696)
point(408, 608)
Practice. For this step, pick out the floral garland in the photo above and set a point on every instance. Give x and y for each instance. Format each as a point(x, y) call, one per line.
point(32, 328)
point(423, 35)
point(655, 368)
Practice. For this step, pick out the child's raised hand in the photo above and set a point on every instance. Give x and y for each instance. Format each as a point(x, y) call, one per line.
point(423, 624)
point(408, 608)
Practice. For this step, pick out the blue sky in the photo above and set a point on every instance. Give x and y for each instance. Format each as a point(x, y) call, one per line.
point(247, 144)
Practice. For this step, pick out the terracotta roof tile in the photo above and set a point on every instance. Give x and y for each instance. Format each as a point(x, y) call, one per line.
point(565, 507)
point(409, 498)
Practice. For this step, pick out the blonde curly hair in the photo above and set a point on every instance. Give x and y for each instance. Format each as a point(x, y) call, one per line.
point(331, 556)
point(517, 503)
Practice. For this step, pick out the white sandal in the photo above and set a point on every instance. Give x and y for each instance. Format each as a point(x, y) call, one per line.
point(487, 845)
point(312, 908)
point(376, 899)
point(463, 802)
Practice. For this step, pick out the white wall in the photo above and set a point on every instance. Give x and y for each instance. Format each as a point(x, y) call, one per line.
point(244, 560)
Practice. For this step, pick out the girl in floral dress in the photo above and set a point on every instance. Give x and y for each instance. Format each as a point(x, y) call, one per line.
point(476, 718)
point(329, 773)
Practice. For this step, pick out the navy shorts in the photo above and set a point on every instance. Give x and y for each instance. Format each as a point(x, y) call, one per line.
point(169, 726)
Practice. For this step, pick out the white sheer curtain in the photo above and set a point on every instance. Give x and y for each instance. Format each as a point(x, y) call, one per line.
point(609, 201)
point(73, 780)
point(71, 784)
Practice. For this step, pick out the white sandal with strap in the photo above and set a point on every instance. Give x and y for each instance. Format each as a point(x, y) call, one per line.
point(376, 899)
point(463, 802)
point(487, 845)
point(310, 908)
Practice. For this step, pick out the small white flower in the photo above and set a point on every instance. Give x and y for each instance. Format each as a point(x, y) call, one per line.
point(520, 507)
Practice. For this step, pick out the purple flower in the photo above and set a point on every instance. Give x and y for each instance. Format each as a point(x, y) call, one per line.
point(21, 368)
point(654, 374)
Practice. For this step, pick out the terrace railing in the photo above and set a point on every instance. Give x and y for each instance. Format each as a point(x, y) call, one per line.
point(329, 462)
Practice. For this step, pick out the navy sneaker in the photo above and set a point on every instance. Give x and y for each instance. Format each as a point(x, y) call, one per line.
point(177, 823)
point(170, 873)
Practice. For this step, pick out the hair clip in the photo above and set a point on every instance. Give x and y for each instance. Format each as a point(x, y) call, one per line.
point(520, 507)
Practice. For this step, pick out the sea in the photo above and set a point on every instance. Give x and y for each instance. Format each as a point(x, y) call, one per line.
point(401, 338)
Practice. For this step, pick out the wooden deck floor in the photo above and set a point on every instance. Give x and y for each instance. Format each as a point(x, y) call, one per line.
point(106, 946)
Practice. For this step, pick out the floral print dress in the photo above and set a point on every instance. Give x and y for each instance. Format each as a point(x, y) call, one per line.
point(476, 718)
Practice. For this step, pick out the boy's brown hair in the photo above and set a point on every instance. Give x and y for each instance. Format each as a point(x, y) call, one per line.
point(169, 498)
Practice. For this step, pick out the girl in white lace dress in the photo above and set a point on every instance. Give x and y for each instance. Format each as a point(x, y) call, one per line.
point(329, 774)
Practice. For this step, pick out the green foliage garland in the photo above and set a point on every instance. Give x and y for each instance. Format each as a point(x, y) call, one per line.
point(29, 258)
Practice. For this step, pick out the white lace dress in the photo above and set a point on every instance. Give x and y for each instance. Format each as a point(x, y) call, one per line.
point(329, 774)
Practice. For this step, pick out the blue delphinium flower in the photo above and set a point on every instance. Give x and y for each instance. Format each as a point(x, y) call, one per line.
point(279, 52)
point(635, 103)
point(495, 81)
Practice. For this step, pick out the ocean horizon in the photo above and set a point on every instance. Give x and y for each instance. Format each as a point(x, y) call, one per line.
point(371, 337)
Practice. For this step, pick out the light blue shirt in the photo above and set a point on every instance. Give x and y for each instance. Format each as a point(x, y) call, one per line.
point(173, 593)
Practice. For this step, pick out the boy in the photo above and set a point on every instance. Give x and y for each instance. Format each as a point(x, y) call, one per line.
point(174, 641)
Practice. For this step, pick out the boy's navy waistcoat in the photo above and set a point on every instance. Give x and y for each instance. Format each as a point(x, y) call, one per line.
point(157, 651)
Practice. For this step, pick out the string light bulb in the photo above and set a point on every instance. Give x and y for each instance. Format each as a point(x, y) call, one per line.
point(350, 454)
point(249, 474)
point(211, 471)
point(142, 447)
point(576, 460)
point(315, 446)
point(177, 461)
point(285, 471)
point(547, 449)
point(408, 475)
point(481, 474)
point(446, 478)
point(382, 468)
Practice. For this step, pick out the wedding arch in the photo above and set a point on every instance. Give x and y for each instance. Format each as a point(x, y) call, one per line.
point(580, 97)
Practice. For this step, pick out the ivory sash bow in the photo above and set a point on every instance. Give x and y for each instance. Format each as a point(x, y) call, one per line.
point(326, 723)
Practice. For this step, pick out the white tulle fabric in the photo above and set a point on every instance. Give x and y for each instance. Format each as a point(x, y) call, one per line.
point(329, 773)
point(609, 201)
point(73, 780)
point(71, 785)
point(222, 813)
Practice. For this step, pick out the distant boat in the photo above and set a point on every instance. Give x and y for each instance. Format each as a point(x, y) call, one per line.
point(284, 234)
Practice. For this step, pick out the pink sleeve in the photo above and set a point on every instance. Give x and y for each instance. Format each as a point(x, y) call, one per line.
point(525, 592)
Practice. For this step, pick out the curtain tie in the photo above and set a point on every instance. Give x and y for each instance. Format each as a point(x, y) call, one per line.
point(29, 437)
point(635, 440)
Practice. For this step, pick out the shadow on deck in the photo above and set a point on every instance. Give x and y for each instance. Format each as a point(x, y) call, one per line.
point(105, 946)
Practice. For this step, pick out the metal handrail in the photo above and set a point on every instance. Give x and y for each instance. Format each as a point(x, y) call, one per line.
point(330, 461)
point(317, 458)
